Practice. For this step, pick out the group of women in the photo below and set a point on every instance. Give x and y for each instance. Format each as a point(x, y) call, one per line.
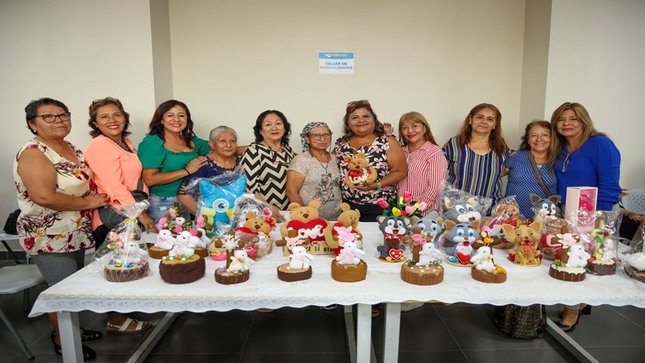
point(60, 189)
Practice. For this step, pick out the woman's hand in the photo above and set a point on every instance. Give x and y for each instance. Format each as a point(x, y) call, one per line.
point(195, 164)
point(147, 223)
point(389, 130)
point(368, 187)
point(97, 200)
point(276, 214)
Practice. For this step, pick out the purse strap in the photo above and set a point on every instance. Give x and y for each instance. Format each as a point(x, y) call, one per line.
point(538, 176)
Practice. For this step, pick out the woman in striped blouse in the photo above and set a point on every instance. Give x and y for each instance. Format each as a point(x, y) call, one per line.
point(476, 156)
point(426, 163)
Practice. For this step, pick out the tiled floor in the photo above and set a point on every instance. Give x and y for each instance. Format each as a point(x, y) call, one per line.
point(454, 333)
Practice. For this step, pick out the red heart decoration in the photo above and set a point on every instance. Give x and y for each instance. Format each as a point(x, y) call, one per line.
point(464, 259)
point(313, 229)
point(396, 254)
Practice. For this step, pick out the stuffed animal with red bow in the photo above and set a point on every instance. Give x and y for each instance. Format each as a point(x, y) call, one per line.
point(360, 171)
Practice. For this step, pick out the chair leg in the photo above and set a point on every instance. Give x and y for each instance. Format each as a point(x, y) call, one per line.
point(16, 335)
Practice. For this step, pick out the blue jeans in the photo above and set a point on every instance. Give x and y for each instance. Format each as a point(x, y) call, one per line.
point(159, 207)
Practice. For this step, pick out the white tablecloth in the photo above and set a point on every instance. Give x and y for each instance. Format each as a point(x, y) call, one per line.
point(88, 289)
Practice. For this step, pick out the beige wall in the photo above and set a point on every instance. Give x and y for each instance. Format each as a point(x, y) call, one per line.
point(597, 57)
point(229, 60)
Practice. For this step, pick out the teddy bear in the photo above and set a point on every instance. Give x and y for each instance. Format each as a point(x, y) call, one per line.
point(394, 230)
point(527, 239)
point(254, 233)
point(348, 218)
point(360, 171)
point(506, 211)
point(308, 225)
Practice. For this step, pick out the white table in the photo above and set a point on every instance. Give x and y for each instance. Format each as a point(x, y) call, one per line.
point(88, 290)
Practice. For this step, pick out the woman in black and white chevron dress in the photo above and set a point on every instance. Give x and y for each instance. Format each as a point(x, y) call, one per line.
point(266, 161)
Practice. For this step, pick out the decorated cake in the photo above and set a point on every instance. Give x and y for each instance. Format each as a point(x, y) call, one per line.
point(485, 269)
point(165, 242)
point(348, 218)
point(305, 221)
point(299, 266)
point(396, 225)
point(604, 259)
point(182, 270)
point(238, 263)
point(634, 265)
point(571, 265)
point(348, 265)
point(458, 242)
point(127, 262)
point(425, 266)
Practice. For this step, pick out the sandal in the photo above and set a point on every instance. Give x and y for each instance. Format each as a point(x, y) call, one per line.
point(124, 328)
point(88, 353)
point(89, 335)
point(376, 311)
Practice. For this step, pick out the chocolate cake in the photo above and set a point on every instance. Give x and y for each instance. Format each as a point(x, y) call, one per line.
point(421, 275)
point(494, 277)
point(182, 270)
point(289, 275)
point(229, 278)
point(118, 273)
point(348, 273)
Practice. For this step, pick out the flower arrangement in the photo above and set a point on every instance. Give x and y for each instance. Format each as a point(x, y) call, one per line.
point(405, 206)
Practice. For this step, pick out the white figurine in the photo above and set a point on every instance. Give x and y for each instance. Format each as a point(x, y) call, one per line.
point(429, 254)
point(349, 254)
point(608, 250)
point(133, 253)
point(182, 246)
point(240, 262)
point(483, 259)
point(577, 256)
point(300, 259)
point(165, 240)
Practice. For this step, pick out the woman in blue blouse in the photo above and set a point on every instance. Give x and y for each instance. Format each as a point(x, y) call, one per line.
point(476, 156)
point(524, 166)
point(582, 156)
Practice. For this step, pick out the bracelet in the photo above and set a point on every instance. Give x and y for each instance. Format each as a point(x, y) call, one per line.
point(187, 171)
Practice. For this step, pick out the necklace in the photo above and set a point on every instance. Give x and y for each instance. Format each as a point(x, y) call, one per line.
point(323, 165)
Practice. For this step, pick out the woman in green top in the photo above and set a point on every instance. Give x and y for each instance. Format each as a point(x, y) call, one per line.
point(168, 153)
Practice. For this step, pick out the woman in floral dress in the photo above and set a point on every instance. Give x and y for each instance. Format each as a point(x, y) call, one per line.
point(55, 197)
point(365, 133)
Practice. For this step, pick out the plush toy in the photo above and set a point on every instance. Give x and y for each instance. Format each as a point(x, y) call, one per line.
point(458, 241)
point(350, 254)
point(360, 171)
point(394, 230)
point(299, 259)
point(506, 211)
point(462, 211)
point(348, 218)
point(240, 262)
point(254, 233)
point(527, 239)
point(545, 209)
point(217, 201)
point(308, 225)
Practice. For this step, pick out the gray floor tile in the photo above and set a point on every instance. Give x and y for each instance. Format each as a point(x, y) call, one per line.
point(452, 356)
point(623, 354)
point(193, 358)
point(294, 358)
point(549, 355)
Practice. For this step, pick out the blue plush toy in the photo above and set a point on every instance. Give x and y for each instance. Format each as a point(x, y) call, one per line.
point(218, 200)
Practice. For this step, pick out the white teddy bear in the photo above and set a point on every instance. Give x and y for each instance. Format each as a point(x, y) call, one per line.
point(300, 259)
point(182, 247)
point(165, 240)
point(132, 253)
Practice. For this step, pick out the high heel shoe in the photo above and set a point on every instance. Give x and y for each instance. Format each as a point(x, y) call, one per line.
point(88, 353)
point(569, 328)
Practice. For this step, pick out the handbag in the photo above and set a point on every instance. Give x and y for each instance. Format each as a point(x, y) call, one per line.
point(546, 190)
point(12, 221)
point(111, 217)
point(522, 322)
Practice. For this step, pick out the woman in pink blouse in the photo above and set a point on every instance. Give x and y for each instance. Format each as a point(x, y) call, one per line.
point(427, 164)
point(117, 171)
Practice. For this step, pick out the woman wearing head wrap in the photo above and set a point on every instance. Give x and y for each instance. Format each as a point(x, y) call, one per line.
point(314, 173)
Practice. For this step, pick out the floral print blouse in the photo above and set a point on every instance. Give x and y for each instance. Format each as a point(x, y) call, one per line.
point(44, 230)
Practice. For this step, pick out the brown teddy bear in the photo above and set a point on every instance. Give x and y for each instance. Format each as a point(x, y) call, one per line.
point(360, 171)
point(348, 218)
point(307, 224)
point(255, 235)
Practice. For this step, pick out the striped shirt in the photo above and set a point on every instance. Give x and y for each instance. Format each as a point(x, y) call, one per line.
point(479, 175)
point(426, 170)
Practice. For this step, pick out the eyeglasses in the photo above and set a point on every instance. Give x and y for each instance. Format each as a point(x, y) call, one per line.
point(323, 136)
point(50, 119)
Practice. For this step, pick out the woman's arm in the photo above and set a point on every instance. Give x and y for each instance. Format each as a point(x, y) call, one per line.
point(154, 177)
point(188, 202)
point(294, 184)
point(106, 166)
point(397, 164)
point(607, 165)
point(39, 176)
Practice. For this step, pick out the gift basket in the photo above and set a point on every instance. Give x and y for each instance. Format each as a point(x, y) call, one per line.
point(505, 212)
point(252, 221)
point(123, 256)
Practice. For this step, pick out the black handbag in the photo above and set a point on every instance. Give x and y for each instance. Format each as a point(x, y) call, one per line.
point(111, 217)
point(523, 322)
point(12, 221)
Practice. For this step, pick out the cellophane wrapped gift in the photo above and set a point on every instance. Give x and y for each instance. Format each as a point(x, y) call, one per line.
point(633, 260)
point(123, 256)
point(506, 211)
point(252, 221)
point(462, 207)
point(216, 198)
